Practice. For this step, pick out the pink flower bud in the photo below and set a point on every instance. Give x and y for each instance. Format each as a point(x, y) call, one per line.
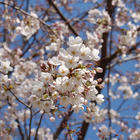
point(52, 119)
point(99, 69)
point(99, 80)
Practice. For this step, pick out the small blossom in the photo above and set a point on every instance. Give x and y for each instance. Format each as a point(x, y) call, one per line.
point(138, 117)
point(75, 41)
point(77, 108)
point(64, 101)
point(63, 70)
point(2, 124)
point(85, 53)
point(54, 61)
point(5, 67)
point(71, 61)
point(91, 93)
point(55, 95)
point(13, 124)
point(38, 88)
point(45, 77)
point(103, 132)
point(94, 54)
point(47, 105)
point(52, 119)
point(99, 99)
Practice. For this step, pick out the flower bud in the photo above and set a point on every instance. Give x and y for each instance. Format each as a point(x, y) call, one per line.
point(52, 119)
point(99, 80)
point(99, 69)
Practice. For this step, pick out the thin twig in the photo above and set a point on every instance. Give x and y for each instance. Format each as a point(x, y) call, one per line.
point(39, 125)
point(25, 124)
point(124, 60)
point(16, 96)
point(35, 113)
point(25, 13)
point(20, 130)
point(19, 126)
point(127, 117)
point(30, 124)
point(60, 128)
point(63, 18)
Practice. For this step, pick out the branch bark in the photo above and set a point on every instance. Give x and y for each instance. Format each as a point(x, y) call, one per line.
point(39, 125)
point(63, 17)
point(20, 130)
point(103, 64)
point(60, 128)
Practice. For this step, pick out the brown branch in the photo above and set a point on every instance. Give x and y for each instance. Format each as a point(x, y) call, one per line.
point(30, 45)
point(25, 13)
point(133, 47)
point(39, 125)
point(35, 113)
point(124, 60)
point(85, 14)
point(103, 64)
point(83, 130)
point(63, 17)
point(25, 129)
point(20, 130)
point(60, 128)
point(118, 52)
point(16, 96)
point(30, 123)
point(19, 127)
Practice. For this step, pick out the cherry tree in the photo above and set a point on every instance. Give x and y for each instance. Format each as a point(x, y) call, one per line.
point(69, 69)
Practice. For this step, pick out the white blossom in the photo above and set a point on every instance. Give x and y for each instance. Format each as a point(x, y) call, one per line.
point(77, 108)
point(13, 124)
point(103, 132)
point(64, 100)
point(99, 99)
point(5, 66)
point(63, 70)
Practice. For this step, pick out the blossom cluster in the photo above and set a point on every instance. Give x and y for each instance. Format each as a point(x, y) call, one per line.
point(66, 79)
point(43, 75)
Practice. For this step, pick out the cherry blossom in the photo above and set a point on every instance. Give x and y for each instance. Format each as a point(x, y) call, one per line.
point(5, 67)
point(62, 63)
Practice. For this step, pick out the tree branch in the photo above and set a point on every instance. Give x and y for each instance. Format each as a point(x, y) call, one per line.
point(25, 13)
point(83, 130)
point(20, 130)
point(60, 128)
point(39, 125)
point(30, 123)
point(16, 96)
point(63, 18)
point(103, 64)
